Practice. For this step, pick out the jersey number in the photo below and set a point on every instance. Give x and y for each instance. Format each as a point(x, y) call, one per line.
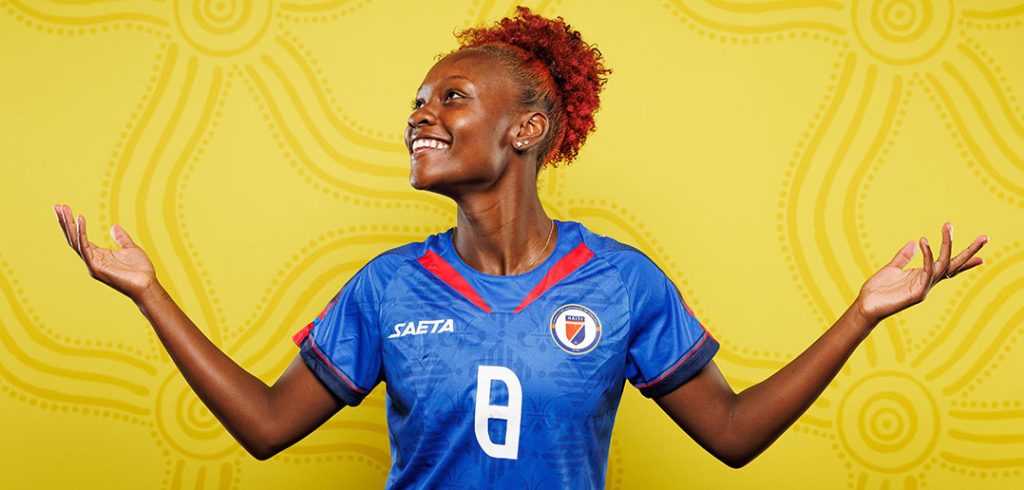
point(511, 413)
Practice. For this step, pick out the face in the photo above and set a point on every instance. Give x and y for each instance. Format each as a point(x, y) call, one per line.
point(460, 132)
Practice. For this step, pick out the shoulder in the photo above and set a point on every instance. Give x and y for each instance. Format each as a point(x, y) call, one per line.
point(381, 269)
point(632, 263)
point(389, 261)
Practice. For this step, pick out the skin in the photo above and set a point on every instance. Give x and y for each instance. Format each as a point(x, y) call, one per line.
point(468, 101)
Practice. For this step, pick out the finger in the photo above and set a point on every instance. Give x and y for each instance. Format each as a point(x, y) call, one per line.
point(929, 265)
point(63, 225)
point(64, 210)
point(974, 262)
point(958, 262)
point(69, 218)
point(942, 266)
point(83, 241)
point(903, 257)
point(121, 237)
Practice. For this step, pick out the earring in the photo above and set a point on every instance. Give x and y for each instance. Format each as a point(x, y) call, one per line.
point(519, 144)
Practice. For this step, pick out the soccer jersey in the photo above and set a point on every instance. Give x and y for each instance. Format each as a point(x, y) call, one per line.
point(505, 381)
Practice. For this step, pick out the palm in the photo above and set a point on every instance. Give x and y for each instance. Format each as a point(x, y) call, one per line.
point(127, 270)
point(894, 288)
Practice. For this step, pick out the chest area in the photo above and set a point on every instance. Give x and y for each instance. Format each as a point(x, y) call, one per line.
point(570, 339)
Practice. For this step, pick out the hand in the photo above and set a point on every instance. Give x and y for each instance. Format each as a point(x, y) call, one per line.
point(128, 270)
point(893, 288)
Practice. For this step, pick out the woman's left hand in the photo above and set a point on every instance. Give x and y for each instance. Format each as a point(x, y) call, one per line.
point(893, 288)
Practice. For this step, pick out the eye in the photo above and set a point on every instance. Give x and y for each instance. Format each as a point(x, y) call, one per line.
point(451, 94)
point(416, 104)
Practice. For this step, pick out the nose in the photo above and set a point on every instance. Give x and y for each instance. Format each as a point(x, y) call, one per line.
point(422, 116)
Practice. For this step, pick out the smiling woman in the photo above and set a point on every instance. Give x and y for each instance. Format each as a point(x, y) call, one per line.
point(505, 346)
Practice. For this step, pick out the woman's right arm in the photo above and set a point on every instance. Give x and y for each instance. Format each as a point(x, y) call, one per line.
point(264, 419)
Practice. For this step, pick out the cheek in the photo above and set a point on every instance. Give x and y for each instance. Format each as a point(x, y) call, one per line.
point(484, 137)
point(478, 144)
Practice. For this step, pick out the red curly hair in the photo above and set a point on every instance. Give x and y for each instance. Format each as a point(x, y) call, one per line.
point(559, 73)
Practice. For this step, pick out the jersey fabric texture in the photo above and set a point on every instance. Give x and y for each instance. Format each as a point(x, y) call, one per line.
point(556, 343)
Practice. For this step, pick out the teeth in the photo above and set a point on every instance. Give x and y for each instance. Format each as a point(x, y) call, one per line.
point(429, 143)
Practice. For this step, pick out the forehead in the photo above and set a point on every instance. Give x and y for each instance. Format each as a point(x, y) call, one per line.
point(480, 68)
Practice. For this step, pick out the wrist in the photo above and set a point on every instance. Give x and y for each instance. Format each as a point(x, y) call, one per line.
point(861, 317)
point(153, 292)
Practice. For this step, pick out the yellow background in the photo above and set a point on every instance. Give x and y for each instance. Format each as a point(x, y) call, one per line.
point(770, 155)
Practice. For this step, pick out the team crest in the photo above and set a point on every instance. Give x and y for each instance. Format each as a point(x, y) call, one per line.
point(576, 329)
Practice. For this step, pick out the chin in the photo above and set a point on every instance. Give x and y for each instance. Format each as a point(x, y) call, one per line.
point(423, 180)
point(419, 178)
point(450, 178)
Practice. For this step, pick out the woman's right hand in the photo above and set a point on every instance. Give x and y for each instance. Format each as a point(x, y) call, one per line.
point(128, 270)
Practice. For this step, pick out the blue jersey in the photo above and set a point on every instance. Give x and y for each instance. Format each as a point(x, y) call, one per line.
point(505, 381)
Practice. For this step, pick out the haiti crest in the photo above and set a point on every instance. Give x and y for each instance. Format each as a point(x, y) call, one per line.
point(575, 329)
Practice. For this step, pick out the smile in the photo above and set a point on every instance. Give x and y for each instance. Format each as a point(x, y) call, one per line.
point(422, 145)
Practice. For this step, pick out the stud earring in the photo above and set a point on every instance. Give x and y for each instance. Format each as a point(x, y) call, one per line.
point(519, 144)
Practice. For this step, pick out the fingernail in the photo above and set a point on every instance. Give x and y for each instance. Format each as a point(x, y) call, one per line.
point(925, 240)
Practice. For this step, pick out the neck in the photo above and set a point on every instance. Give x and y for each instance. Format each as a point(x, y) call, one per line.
point(504, 233)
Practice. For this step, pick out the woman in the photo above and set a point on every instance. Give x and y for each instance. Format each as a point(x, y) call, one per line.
point(504, 342)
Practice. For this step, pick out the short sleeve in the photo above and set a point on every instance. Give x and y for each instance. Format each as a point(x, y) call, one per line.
point(342, 344)
point(668, 346)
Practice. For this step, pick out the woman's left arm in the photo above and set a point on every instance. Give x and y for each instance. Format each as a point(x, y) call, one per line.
point(735, 428)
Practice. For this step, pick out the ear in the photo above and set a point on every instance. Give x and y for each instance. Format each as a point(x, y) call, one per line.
point(530, 131)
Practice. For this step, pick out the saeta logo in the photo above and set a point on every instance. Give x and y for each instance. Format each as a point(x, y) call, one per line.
point(423, 327)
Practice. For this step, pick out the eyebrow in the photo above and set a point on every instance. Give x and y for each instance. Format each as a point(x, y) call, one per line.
point(449, 77)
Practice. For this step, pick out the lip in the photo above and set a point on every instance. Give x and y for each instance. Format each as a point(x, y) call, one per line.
point(426, 149)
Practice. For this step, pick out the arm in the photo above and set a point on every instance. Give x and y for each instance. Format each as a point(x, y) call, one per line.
point(735, 428)
point(263, 419)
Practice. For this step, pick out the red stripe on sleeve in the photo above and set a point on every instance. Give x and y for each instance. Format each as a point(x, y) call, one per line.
point(565, 266)
point(680, 363)
point(336, 370)
point(447, 274)
point(302, 334)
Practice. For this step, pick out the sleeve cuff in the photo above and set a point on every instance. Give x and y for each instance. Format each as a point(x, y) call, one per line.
point(332, 377)
point(685, 368)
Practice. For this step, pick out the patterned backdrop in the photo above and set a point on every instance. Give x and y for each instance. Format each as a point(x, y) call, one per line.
point(769, 155)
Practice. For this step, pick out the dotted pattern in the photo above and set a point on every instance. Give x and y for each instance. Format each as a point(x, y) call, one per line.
point(992, 66)
point(335, 108)
point(785, 196)
point(751, 39)
point(295, 13)
point(993, 25)
point(1007, 342)
point(958, 138)
point(976, 169)
point(39, 325)
point(117, 154)
point(73, 31)
point(964, 284)
point(313, 181)
point(207, 291)
point(369, 463)
point(72, 408)
point(412, 232)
